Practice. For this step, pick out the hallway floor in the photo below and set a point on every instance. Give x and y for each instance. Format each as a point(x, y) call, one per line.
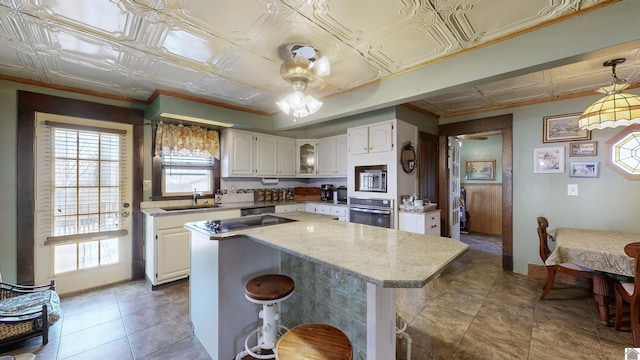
point(473, 310)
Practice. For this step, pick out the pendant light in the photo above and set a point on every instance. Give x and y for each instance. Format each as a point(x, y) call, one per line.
point(615, 108)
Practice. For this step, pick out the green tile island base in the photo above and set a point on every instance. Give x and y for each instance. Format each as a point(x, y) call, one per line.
point(346, 275)
point(326, 295)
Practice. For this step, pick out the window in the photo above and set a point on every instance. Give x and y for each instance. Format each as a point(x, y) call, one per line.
point(86, 181)
point(181, 175)
point(623, 153)
point(80, 193)
point(185, 160)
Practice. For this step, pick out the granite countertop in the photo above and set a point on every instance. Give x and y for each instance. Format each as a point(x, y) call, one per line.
point(381, 256)
point(186, 209)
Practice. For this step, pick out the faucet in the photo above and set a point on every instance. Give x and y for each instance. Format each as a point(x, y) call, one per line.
point(196, 194)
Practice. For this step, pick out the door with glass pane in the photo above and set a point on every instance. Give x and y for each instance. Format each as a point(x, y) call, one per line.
point(83, 197)
point(454, 188)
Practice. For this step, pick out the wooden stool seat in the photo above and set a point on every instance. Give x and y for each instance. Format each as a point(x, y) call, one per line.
point(314, 342)
point(269, 287)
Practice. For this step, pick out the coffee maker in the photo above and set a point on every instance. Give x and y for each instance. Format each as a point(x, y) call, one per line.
point(326, 192)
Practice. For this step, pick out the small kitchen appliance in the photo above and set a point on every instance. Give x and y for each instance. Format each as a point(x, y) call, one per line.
point(373, 180)
point(326, 192)
point(341, 194)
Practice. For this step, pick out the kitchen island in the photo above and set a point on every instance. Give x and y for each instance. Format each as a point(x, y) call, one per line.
point(383, 259)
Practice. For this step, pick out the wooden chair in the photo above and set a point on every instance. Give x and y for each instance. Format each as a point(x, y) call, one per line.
point(627, 291)
point(552, 270)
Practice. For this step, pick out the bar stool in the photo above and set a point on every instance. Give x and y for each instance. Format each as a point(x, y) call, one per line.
point(314, 342)
point(268, 291)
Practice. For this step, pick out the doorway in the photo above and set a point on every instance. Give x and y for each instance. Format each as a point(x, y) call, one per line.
point(501, 123)
point(28, 105)
point(82, 218)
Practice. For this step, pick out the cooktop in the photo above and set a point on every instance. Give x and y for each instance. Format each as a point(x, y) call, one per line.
point(226, 225)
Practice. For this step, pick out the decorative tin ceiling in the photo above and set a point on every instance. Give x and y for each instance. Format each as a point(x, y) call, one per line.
point(230, 52)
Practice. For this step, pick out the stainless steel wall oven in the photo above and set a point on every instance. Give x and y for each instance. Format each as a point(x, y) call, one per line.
point(368, 211)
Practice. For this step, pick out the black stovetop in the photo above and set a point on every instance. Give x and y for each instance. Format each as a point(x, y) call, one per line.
point(226, 225)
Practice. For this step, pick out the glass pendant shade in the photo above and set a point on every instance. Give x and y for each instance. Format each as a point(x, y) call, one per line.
point(299, 105)
point(614, 109)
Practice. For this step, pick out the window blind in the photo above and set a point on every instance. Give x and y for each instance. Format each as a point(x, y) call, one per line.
point(81, 181)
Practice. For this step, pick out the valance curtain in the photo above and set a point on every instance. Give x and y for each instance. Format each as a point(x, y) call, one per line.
point(177, 139)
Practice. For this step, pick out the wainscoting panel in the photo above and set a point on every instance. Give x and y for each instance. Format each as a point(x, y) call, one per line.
point(484, 205)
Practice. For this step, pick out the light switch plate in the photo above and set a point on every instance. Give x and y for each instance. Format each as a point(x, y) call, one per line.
point(572, 190)
point(146, 184)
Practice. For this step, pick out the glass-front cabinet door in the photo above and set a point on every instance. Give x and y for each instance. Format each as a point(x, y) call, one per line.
point(306, 157)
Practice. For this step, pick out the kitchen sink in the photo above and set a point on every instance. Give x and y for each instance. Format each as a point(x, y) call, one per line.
point(190, 207)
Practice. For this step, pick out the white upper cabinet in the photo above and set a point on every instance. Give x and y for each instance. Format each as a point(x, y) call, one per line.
point(332, 159)
point(381, 137)
point(286, 157)
point(342, 144)
point(265, 155)
point(246, 153)
point(237, 153)
point(371, 138)
point(358, 140)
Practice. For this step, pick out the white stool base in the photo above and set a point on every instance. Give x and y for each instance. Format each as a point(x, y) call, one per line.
point(253, 350)
point(267, 334)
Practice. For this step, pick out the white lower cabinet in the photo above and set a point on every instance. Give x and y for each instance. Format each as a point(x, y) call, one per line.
point(340, 212)
point(422, 223)
point(326, 209)
point(289, 208)
point(172, 254)
point(323, 209)
point(167, 244)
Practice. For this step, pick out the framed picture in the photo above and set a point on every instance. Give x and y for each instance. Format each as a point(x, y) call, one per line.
point(584, 169)
point(583, 148)
point(481, 170)
point(549, 160)
point(563, 128)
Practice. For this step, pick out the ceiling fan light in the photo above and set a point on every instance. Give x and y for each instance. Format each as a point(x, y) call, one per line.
point(297, 100)
point(299, 113)
point(312, 104)
point(284, 105)
point(301, 72)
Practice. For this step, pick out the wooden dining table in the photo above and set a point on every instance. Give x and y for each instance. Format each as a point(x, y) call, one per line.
point(602, 251)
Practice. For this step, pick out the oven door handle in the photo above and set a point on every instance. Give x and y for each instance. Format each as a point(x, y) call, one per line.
point(372, 211)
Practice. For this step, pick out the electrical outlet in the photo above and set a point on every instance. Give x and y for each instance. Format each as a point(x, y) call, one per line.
point(146, 184)
point(572, 190)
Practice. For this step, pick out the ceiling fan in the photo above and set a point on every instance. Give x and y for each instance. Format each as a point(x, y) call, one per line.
point(303, 69)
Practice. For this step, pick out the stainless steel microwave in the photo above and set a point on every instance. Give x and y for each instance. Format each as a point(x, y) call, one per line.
point(373, 180)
